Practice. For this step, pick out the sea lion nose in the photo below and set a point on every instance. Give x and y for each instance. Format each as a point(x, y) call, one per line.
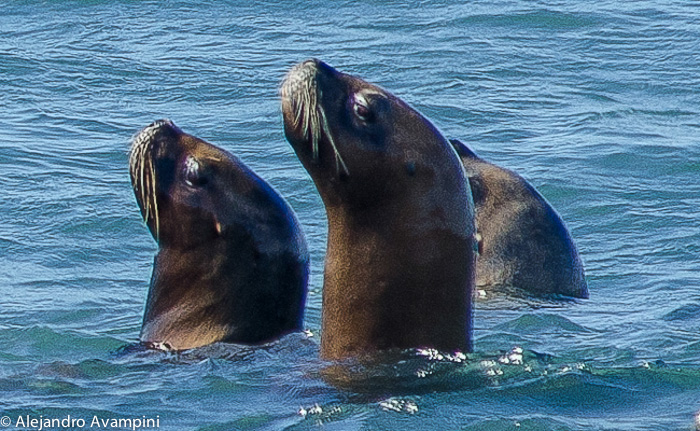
point(317, 66)
point(164, 122)
point(163, 126)
point(311, 62)
point(158, 129)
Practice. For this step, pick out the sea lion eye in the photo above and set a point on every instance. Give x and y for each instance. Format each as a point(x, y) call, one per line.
point(362, 110)
point(193, 176)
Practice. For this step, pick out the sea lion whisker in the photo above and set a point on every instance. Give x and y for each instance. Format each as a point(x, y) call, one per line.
point(308, 103)
point(314, 145)
point(156, 218)
point(145, 194)
point(142, 181)
point(297, 116)
point(298, 109)
point(315, 129)
point(135, 162)
point(309, 118)
point(144, 178)
point(306, 126)
point(338, 158)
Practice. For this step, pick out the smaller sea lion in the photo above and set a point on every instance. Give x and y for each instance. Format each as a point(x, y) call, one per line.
point(232, 262)
point(523, 241)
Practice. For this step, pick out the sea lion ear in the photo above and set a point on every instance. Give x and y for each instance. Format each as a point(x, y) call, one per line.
point(463, 150)
point(476, 183)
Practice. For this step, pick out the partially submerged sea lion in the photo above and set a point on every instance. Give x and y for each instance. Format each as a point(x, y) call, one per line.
point(232, 263)
point(523, 241)
point(400, 262)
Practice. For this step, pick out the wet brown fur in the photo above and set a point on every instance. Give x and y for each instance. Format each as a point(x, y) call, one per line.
point(524, 243)
point(399, 269)
point(232, 262)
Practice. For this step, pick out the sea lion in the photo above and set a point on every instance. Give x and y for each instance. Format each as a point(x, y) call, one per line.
point(523, 241)
point(232, 262)
point(400, 262)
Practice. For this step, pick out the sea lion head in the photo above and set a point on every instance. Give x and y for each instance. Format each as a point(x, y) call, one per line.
point(346, 130)
point(190, 191)
point(175, 178)
point(232, 262)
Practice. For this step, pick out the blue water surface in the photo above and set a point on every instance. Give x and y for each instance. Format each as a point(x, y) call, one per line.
point(596, 103)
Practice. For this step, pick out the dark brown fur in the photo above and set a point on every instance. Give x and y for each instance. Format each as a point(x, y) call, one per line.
point(399, 269)
point(524, 243)
point(232, 262)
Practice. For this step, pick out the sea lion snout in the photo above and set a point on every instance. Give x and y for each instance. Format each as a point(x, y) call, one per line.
point(153, 131)
point(306, 124)
point(306, 69)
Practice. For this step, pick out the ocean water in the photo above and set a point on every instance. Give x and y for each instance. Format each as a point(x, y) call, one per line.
point(596, 103)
